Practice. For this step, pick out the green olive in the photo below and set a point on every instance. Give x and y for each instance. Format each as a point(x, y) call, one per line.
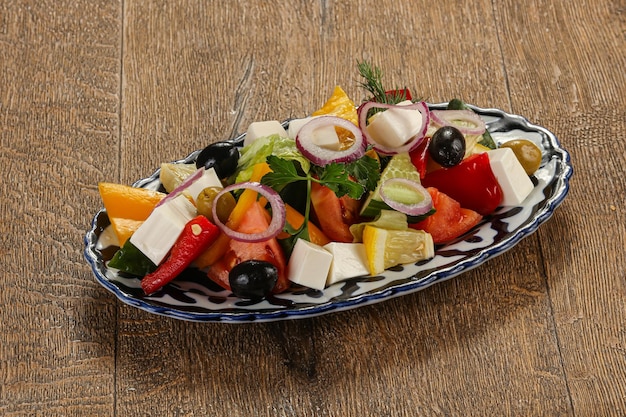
point(527, 153)
point(225, 204)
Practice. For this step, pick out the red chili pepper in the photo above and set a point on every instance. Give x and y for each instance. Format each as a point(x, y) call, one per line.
point(196, 237)
point(471, 183)
point(419, 157)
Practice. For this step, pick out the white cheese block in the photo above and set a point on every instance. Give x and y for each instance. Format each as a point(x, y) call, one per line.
point(325, 136)
point(209, 178)
point(513, 180)
point(156, 236)
point(309, 264)
point(349, 261)
point(261, 129)
point(394, 127)
point(295, 125)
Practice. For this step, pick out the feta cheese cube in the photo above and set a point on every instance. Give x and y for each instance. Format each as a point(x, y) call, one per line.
point(513, 180)
point(261, 129)
point(394, 127)
point(325, 137)
point(295, 125)
point(156, 236)
point(309, 264)
point(349, 261)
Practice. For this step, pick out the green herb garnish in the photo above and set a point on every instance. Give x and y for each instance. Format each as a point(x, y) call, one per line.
point(373, 83)
point(353, 179)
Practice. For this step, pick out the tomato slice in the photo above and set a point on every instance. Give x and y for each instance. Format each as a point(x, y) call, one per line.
point(450, 219)
point(254, 220)
point(334, 215)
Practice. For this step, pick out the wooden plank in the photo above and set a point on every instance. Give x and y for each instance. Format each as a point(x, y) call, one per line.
point(536, 331)
point(563, 71)
point(58, 138)
point(484, 341)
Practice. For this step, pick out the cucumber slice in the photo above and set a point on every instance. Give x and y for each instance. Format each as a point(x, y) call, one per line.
point(399, 166)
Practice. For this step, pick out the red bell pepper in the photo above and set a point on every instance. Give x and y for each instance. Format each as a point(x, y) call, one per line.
point(402, 93)
point(196, 237)
point(471, 183)
point(419, 157)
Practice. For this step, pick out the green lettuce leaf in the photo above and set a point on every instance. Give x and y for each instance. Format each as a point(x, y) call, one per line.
point(260, 149)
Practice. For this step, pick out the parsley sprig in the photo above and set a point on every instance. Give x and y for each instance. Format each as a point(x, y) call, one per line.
point(353, 179)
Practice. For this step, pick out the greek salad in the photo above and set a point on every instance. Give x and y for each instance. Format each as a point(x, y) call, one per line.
point(348, 191)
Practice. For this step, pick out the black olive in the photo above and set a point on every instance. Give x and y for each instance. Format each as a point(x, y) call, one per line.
point(222, 156)
point(447, 146)
point(253, 279)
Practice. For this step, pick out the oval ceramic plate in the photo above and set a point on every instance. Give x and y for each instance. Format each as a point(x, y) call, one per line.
point(194, 297)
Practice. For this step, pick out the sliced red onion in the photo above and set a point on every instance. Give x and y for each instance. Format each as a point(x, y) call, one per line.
point(182, 186)
point(417, 209)
point(460, 119)
point(413, 143)
point(278, 213)
point(323, 156)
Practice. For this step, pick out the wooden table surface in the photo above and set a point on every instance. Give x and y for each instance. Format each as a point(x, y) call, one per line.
point(107, 90)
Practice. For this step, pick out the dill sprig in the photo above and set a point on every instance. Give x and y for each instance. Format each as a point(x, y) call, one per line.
point(373, 76)
point(373, 80)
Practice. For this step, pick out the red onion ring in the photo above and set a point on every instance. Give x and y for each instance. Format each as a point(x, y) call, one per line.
point(453, 117)
point(418, 209)
point(278, 213)
point(323, 156)
point(182, 186)
point(412, 143)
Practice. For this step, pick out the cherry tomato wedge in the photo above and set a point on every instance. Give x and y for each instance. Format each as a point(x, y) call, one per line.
point(450, 219)
point(254, 220)
point(334, 215)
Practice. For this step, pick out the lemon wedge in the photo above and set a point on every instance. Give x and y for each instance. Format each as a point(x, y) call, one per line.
point(387, 248)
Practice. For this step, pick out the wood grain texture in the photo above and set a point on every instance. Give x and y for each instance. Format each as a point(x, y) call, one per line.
point(303, 368)
point(106, 91)
point(59, 108)
point(582, 99)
